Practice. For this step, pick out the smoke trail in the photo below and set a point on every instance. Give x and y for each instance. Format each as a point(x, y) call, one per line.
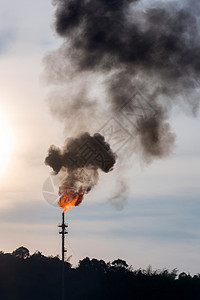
point(114, 48)
point(130, 47)
point(80, 159)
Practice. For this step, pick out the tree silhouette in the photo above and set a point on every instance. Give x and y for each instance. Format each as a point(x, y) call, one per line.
point(21, 252)
point(24, 276)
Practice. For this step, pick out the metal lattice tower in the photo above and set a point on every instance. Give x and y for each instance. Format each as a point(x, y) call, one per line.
point(63, 231)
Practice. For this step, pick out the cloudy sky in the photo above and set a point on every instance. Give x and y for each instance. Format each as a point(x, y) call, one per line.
point(157, 225)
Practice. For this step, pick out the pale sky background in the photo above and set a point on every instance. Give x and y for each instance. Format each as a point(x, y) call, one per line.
point(159, 225)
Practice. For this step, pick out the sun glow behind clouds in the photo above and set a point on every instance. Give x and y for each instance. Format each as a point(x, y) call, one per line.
point(6, 143)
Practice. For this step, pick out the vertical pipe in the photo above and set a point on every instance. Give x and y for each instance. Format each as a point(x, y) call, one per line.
point(63, 231)
point(63, 256)
point(63, 237)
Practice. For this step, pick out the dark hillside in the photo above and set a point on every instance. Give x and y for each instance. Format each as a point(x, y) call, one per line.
point(37, 277)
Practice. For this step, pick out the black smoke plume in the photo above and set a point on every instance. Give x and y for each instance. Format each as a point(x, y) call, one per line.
point(80, 159)
point(154, 48)
point(107, 33)
point(137, 57)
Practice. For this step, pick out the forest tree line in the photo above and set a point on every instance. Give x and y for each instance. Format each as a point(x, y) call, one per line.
point(38, 277)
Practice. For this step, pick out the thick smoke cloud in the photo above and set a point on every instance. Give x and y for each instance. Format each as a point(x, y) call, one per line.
point(115, 50)
point(155, 49)
point(80, 159)
point(103, 32)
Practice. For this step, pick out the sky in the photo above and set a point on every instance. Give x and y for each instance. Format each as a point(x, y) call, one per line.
point(158, 224)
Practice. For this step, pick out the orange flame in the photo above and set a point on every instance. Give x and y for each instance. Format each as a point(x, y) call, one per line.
point(69, 198)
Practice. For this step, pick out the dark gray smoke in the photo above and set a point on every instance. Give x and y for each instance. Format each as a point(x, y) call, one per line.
point(137, 57)
point(106, 33)
point(154, 48)
point(80, 159)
